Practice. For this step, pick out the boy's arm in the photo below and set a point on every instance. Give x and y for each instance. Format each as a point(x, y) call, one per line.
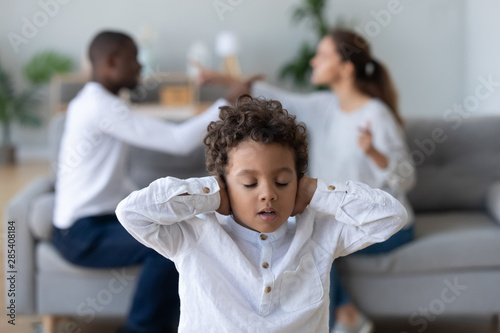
point(366, 215)
point(152, 215)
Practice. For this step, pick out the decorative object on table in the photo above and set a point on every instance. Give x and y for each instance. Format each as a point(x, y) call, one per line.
point(147, 38)
point(20, 107)
point(298, 69)
point(226, 46)
point(198, 52)
point(177, 90)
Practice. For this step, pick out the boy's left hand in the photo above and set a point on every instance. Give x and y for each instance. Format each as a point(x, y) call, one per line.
point(305, 191)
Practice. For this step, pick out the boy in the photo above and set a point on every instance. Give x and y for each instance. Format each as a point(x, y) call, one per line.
point(92, 179)
point(253, 270)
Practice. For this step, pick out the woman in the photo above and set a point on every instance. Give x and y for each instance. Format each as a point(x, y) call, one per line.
point(356, 133)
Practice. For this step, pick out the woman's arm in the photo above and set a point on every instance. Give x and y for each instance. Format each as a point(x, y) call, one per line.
point(388, 139)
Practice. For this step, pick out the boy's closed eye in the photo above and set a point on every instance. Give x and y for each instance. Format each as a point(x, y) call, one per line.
point(255, 184)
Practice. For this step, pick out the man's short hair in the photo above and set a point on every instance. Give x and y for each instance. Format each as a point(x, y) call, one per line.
point(107, 43)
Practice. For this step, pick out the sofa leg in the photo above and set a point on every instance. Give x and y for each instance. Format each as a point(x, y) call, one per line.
point(496, 323)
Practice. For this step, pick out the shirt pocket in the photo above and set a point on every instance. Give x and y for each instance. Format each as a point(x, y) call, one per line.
point(302, 287)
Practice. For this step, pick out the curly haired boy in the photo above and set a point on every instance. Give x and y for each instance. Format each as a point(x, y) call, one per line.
point(244, 265)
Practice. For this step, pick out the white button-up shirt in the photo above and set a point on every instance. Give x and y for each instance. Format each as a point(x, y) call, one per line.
point(233, 279)
point(92, 173)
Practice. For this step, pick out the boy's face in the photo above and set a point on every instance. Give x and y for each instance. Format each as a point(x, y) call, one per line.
point(261, 184)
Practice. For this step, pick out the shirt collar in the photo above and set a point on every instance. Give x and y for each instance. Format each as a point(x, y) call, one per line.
point(255, 236)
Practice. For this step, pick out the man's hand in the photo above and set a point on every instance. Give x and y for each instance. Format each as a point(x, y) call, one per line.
point(305, 191)
point(225, 206)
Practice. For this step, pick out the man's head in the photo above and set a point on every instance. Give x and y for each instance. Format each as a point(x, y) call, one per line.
point(260, 152)
point(114, 60)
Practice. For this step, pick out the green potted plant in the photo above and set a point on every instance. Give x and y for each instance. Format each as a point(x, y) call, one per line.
point(21, 107)
point(298, 69)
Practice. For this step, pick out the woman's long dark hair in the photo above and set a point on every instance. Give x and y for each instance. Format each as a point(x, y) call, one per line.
point(371, 77)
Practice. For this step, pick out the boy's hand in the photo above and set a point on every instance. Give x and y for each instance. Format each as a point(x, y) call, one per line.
point(305, 191)
point(225, 207)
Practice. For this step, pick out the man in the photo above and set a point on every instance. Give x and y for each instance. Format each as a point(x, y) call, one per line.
point(99, 127)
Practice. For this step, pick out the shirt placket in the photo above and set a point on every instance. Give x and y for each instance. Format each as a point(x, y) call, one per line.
point(268, 278)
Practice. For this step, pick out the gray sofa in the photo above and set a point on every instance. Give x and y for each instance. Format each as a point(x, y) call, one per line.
point(452, 268)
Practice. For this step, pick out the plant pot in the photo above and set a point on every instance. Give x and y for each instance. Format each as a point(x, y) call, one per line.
point(7, 155)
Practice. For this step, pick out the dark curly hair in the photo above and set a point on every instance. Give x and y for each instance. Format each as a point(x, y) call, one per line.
point(261, 120)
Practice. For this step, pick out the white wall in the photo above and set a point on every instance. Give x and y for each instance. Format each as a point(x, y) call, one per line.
point(423, 44)
point(482, 54)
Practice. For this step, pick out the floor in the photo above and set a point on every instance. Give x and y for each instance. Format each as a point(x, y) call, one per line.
point(12, 179)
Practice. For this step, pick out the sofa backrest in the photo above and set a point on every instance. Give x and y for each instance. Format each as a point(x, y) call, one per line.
point(457, 160)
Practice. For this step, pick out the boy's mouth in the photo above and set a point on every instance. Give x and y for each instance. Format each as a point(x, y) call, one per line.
point(267, 214)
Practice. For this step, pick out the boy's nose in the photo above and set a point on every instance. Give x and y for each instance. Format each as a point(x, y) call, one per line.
point(268, 194)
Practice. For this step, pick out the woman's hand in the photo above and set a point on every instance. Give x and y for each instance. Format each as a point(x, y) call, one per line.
point(210, 77)
point(225, 206)
point(241, 88)
point(305, 191)
point(365, 141)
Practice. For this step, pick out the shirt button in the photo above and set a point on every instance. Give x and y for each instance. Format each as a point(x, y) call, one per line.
point(267, 290)
point(265, 264)
point(331, 187)
point(206, 190)
point(263, 237)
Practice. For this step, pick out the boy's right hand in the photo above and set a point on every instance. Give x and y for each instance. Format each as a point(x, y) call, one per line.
point(224, 207)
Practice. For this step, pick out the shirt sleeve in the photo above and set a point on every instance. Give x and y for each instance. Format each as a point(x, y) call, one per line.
point(388, 138)
point(151, 133)
point(169, 215)
point(301, 105)
point(362, 215)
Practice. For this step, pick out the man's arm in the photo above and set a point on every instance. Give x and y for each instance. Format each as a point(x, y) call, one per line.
point(147, 132)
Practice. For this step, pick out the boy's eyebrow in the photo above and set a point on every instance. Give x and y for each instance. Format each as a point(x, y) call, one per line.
point(250, 172)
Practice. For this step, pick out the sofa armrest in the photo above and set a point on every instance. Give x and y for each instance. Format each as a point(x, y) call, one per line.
point(18, 211)
point(493, 201)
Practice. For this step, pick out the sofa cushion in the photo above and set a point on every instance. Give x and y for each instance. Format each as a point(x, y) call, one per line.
point(444, 242)
point(456, 162)
point(41, 216)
